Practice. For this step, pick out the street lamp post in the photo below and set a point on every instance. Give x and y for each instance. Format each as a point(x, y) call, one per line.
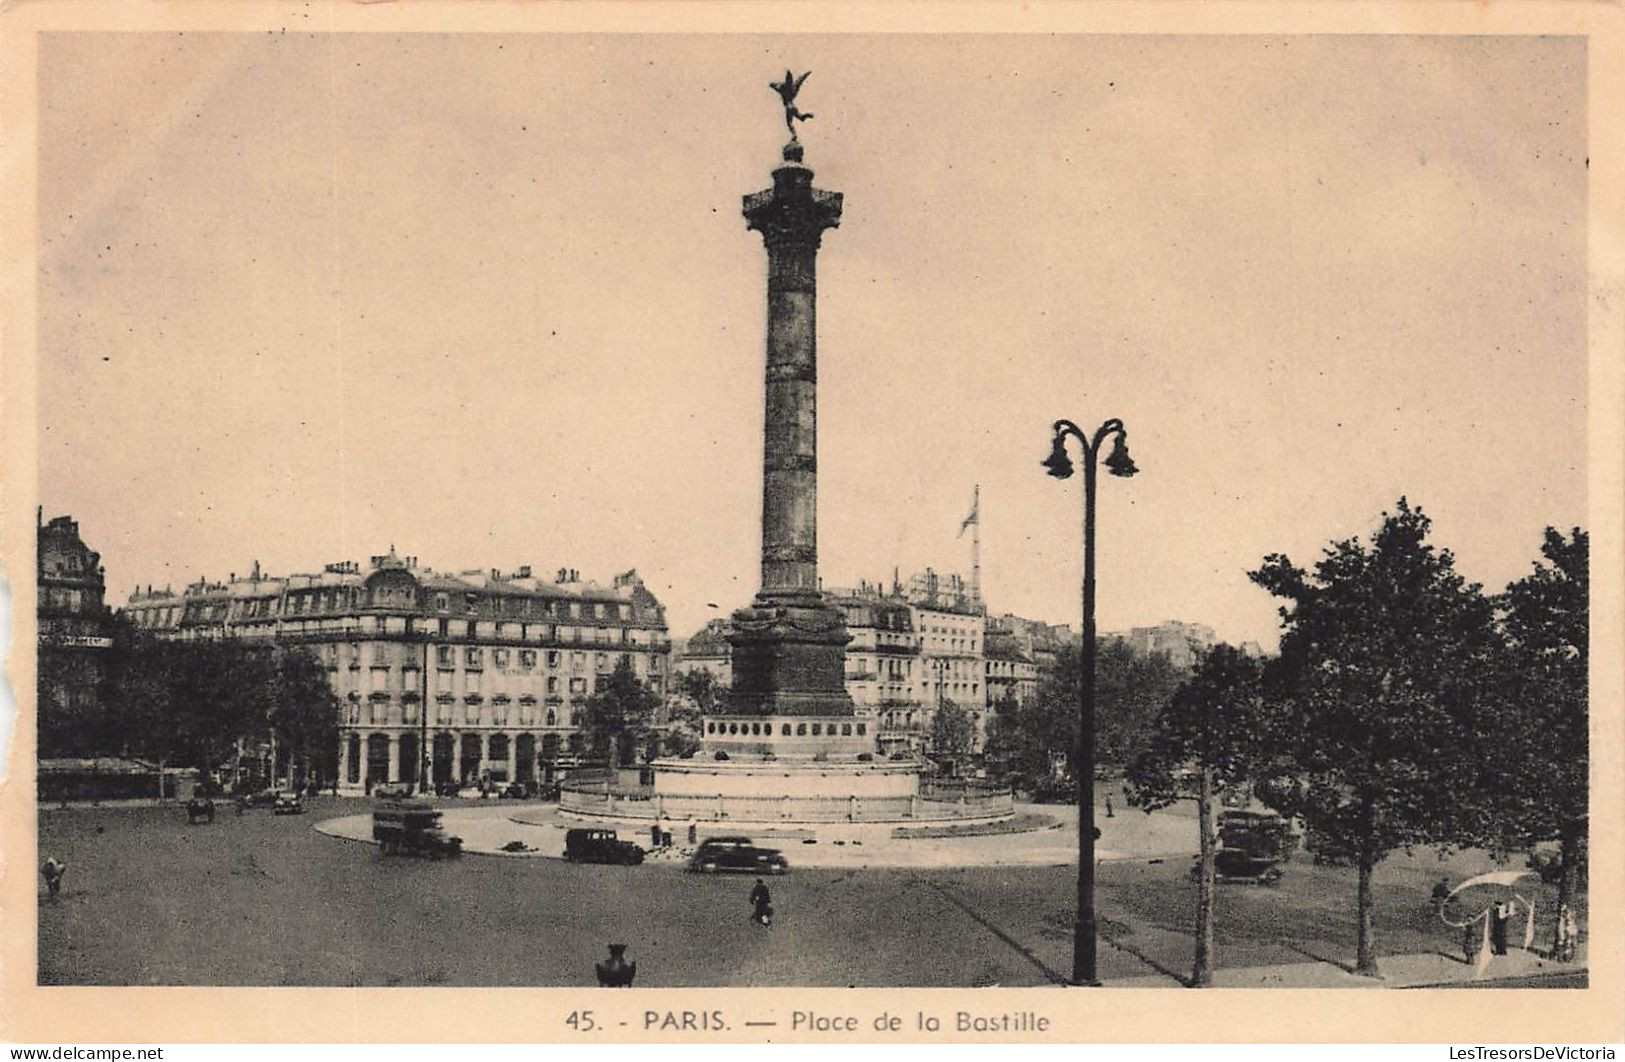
point(1118, 463)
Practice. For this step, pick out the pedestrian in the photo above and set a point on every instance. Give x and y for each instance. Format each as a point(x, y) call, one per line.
point(1109, 812)
point(1567, 935)
point(693, 832)
point(1441, 893)
point(761, 902)
point(52, 872)
point(1498, 927)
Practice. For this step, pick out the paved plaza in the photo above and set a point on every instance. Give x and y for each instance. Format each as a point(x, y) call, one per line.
point(260, 900)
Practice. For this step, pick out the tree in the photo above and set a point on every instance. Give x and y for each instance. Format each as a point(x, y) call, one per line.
point(952, 731)
point(1387, 665)
point(305, 718)
point(618, 717)
point(1129, 690)
point(1216, 723)
point(701, 689)
point(1539, 776)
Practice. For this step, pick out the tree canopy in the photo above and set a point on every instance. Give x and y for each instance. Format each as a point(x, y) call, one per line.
point(618, 717)
point(1388, 661)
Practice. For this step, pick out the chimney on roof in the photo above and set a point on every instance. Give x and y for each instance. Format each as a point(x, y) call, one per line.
point(562, 576)
point(523, 572)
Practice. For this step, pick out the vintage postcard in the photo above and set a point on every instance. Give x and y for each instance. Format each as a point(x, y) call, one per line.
point(851, 523)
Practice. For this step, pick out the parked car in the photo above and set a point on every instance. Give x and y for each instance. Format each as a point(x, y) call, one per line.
point(412, 827)
point(288, 803)
point(199, 809)
point(600, 846)
point(517, 790)
point(738, 855)
point(393, 791)
point(259, 798)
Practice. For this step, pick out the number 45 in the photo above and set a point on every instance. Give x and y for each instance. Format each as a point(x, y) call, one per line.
point(581, 1021)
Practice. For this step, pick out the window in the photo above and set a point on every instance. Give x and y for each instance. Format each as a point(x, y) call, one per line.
point(441, 603)
point(625, 611)
point(601, 662)
point(598, 611)
point(527, 658)
point(380, 654)
point(801, 730)
point(499, 657)
point(575, 610)
point(861, 728)
point(445, 656)
point(578, 685)
point(473, 682)
point(553, 658)
point(473, 657)
point(846, 729)
point(786, 730)
point(552, 684)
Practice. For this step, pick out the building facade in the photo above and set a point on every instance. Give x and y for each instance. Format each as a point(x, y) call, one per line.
point(476, 676)
point(1179, 641)
point(73, 636)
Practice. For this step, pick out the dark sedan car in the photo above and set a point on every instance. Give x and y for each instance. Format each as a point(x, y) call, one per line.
point(736, 855)
point(600, 846)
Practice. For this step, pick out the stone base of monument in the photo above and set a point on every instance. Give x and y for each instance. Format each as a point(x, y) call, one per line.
point(821, 794)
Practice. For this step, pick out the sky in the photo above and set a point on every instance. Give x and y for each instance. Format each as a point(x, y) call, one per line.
point(490, 299)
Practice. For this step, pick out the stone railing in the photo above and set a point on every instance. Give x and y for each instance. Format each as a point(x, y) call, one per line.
point(602, 801)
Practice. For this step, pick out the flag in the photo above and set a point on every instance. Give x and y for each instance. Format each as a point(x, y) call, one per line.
point(975, 516)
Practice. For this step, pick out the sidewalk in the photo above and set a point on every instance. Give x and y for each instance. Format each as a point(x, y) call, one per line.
point(1423, 970)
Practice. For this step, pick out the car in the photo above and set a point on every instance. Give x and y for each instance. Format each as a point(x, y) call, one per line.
point(288, 803)
point(413, 827)
point(392, 791)
point(516, 791)
point(736, 855)
point(199, 809)
point(258, 798)
point(600, 846)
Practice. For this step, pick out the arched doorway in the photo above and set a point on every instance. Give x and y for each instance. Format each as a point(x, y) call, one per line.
point(472, 755)
point(377, 760)
point(408, 769)
point(549, 756)
point(445, 757)
point(499, 758)
point(525, 758)
point(352, 760)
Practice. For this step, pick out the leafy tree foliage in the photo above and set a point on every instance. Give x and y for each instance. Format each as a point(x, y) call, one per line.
point(953, 733)
point(305, 718)
point(1538, 779)
point(1025, 743)
point(1387, 665)
point(619, 718)
point(185, 703)
point(1217, 726)
point(701, 689)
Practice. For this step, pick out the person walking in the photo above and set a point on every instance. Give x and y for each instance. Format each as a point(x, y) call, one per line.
point(52, 872)
point(1498, 927)
point(761, 902)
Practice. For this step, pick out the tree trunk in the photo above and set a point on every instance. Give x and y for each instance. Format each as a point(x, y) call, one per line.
point(1574, 844)
point(1365, 961)
point(1202, 972)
